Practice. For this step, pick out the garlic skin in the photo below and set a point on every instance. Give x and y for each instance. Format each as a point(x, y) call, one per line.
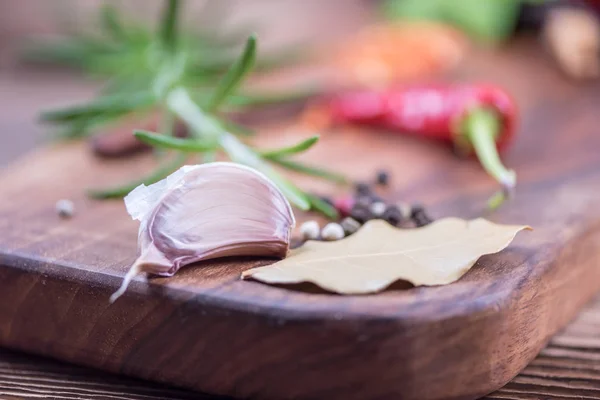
point(207, 211)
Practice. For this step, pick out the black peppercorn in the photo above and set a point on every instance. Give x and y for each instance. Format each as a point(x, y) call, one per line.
point(419, 216)
point(360, 213)
point(422, 220)
point(392, 215)
point(383, 178)
point(416, 209)
point(362, 188)
point(363, 201)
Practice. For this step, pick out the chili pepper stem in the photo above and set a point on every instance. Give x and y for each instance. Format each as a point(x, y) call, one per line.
point(482, 126)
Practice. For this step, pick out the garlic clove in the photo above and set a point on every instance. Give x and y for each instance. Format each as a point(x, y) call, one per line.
point(207, 211)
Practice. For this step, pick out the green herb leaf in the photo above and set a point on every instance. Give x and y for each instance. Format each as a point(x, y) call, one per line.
point(110, 23)
point(117, 103)
point(486, 20)
point(290, 150)
point(257, 99)
point(168, 26)
point(169, 142)
point(296, 196)
point(83, 127)
point(308, 170)
point(322, 206)
point(161, 172)
point(234, 75)
point(237, 129)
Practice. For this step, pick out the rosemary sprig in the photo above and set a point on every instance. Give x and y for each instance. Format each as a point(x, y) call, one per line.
point(169, 89)
point(168, 28)
point(111, 24)
point(234, 75)
point(172, 143)
point(114, 104)
point(118, 47)
point(323, 207)
point(161, 172)
point(290, 150)
point(308, 170)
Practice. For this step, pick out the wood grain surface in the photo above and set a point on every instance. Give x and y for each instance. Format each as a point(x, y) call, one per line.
point(568, 369)
point(205, 329)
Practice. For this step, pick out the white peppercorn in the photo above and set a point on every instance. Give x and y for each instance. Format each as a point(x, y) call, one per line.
point(377, 208)
point(65, 208)
point(332, 231)
point(310, 230)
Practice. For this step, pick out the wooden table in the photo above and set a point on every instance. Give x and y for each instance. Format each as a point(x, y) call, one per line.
point(568, 368)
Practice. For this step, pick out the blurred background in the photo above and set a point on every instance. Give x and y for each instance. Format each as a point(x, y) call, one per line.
point(44, 62)
point(27, 86)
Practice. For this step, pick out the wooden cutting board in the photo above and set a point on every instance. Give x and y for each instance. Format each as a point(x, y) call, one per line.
point(205, 329)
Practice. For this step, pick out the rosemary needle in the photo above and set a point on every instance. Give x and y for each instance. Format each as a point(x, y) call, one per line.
point(161, 172)
point(290, 150)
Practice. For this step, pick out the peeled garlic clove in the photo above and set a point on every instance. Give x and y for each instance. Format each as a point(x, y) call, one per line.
point(207, 211)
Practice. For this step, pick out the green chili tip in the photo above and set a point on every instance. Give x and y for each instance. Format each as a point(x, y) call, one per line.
point(482, 127)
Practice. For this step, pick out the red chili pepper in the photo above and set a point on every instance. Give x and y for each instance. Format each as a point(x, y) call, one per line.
point(476, 118)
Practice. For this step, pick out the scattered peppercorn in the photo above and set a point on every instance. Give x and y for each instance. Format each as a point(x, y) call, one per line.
point(363, 201)
point(377, 209)
point(363, 188)
point(419, 222)
point(422, 219)
point(416, 208)
point(310, 230)
point(405, 210)
point(383, 178)
point(392, 215)
point(332, 231)
point(419, 216)
point(350, 225)
point(363, 206)
point(360, 213)
point(65, 208)
point(376, 199)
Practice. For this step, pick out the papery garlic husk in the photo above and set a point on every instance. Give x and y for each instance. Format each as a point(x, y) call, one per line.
point(207, 211)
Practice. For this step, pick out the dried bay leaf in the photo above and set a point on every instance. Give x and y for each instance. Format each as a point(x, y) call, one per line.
point(379, 254)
